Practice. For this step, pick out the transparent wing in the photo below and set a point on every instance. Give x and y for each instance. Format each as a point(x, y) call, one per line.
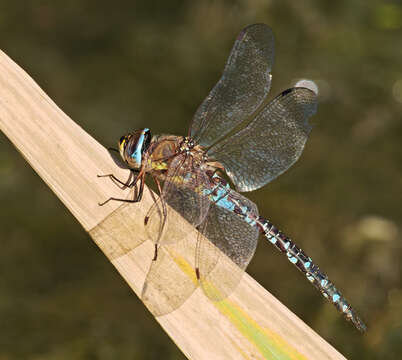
point(171, 279)
point(271, 143)
point(245, 82)
point(182, 178)
point(226, 246)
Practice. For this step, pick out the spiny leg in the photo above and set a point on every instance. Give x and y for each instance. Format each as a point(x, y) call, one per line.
point(117, 199)
point(163, 214)
point(155, 253)
point(137, 197)
point(142, 182)
point(312, 272)
point(115, 179)
point(155, 200)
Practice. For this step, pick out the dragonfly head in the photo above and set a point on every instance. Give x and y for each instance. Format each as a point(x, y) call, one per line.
point(132, 146)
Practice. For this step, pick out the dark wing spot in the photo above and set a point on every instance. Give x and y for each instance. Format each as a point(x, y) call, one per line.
point(287, 91)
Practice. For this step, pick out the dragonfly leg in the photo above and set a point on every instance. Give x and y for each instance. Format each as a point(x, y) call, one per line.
point(137, 196)
point(115, 179)
point(312, 272)
point(141, 177)
point(117, 199)
point(156, 203)
point(155, 253)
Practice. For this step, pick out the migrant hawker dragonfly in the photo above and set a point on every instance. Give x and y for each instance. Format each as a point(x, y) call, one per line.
point(233, 132)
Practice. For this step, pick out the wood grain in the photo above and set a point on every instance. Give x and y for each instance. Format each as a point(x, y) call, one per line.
point(250, 324)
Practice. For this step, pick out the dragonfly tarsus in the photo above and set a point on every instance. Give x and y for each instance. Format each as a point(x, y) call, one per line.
point(117, 199)
point(155, 253)
point(137, 195)
point(114, 178)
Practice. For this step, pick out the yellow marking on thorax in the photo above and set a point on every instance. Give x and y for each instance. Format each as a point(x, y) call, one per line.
point(177, 179)
point(157, 165)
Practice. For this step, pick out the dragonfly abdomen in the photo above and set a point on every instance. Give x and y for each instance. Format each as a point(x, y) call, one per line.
point(223, 196)
point(312, 272)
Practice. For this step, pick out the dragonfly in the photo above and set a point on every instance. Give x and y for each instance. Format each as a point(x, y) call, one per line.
point(237, 142)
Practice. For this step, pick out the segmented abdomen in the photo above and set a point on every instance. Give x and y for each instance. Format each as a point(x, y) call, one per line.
point(222, 195)
point(304, 263)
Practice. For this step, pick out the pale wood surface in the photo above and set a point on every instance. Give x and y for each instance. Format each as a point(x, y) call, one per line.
point(250, 324)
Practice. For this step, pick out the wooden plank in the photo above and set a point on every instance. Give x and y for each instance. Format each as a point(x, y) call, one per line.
point(251, 323)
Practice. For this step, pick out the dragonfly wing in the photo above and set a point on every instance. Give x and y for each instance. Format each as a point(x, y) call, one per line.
point(178, 199)
point(225, 247)
point(271, 143)
point(244, 84)
point(171, 278)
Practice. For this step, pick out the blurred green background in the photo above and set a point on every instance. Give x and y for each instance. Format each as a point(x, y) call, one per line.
point(117, 66)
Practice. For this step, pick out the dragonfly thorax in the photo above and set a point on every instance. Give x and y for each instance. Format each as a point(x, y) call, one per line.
point(132, 147)
point(187, 145)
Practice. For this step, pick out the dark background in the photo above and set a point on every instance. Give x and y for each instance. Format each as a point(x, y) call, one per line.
point(117, 66)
